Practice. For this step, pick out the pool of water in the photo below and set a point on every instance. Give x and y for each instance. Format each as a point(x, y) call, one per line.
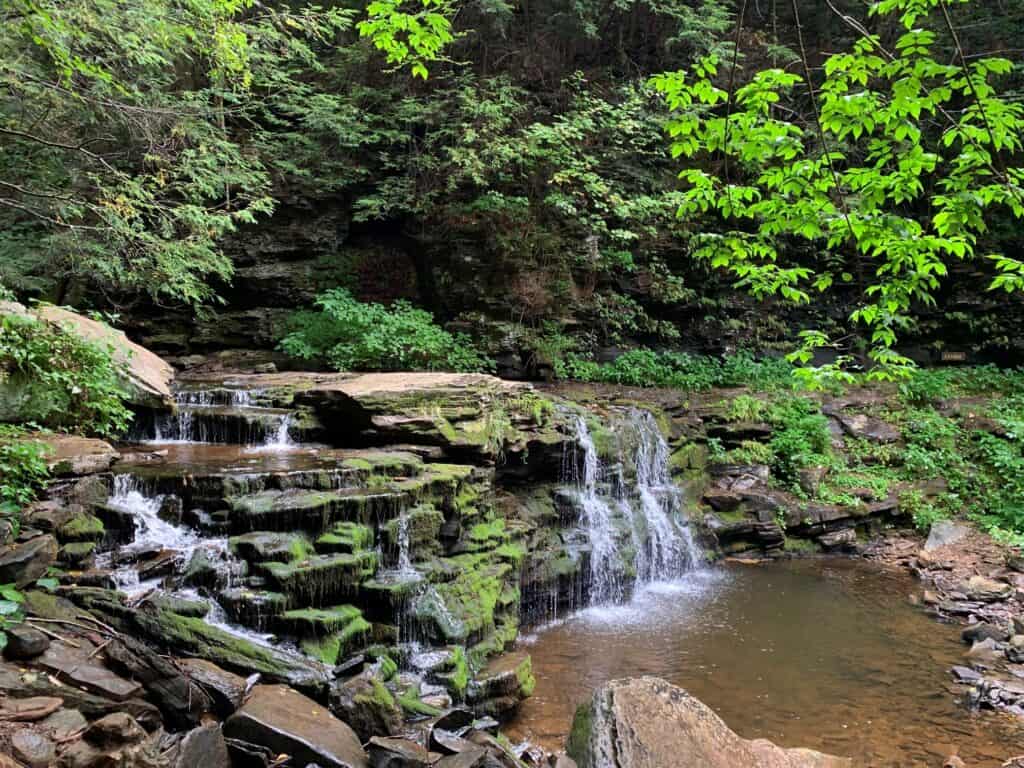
point(820, 653)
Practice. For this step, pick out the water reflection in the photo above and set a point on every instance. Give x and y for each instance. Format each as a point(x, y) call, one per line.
point(818, 653)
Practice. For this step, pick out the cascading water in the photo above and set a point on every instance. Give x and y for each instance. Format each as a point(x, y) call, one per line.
point(222, 416)
point(640, 527)
point(151, 530)
point(596, 515)
point(670, 549)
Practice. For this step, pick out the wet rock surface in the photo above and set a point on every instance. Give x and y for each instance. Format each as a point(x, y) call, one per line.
point(319, 598)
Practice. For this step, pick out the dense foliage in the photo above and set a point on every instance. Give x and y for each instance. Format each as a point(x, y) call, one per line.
point(53, 378)
point(906, 161)
point(346, 334)
point(525, 188)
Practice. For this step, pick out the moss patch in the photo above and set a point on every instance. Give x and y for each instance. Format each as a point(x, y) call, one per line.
point(346, 537)
point(323, 578)
point(83, 527)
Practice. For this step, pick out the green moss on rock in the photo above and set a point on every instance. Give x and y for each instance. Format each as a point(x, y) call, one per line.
point(81, 528)
point(322, 579)
point(346, 537)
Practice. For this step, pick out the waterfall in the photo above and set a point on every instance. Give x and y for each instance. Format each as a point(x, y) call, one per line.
point(638, 526)
point(605, 574)
point(404, 559)
point(670, 549)
point(150, 531)
point(221, 416)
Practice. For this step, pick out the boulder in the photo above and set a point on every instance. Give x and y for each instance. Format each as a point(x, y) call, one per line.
point(225, 689)
point(986, 590)
point(397, 753)
point(203, 747)
point(945, 532)
point(64, 724)
point(868, 428)
point(24, 642)
point(147, 376)
point(647, 723)
point(287, 722)
point(115, 729)
point(74, 456)
point(983, 631)
point(500, 686)
point(365, 704)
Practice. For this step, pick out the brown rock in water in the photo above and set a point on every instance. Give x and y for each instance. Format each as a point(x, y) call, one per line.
point(986, 590)
point(287, 722)
point(647, 723)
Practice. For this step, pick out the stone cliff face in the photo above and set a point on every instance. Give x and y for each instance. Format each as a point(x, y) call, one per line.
point(310, 246)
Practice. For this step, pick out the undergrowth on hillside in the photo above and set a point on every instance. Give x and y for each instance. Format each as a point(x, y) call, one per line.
point(346, 334)
point(959, 452)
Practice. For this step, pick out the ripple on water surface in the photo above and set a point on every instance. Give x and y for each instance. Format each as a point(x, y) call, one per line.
point(819, 653)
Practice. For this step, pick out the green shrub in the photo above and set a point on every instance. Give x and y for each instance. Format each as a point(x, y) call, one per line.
point(679, 370)
point(23, 472)
point(346, 334)
point(800, 438)
point(924, 512)
point(751, 452)
point(52, 377)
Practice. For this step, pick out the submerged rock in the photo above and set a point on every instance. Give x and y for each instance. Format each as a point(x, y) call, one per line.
point(647, 723)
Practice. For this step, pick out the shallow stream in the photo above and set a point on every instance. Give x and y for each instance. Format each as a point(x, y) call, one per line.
point(820, 653)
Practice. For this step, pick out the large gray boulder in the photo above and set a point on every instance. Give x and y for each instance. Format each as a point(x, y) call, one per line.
point(647, 723)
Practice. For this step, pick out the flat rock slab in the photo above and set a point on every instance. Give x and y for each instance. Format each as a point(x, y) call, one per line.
point(868, 427)
point(33, 749)
point(30, 709)
point(647, 723)
point(23, 563)
point(203, 748)
point(225, 688)
point(71, 455)
point(289, 723)
point(73, 665)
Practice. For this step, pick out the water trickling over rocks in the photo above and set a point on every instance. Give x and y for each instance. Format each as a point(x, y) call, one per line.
point(631, 512)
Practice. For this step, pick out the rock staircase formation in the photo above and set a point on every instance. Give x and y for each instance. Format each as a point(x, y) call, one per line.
point(373, 542)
